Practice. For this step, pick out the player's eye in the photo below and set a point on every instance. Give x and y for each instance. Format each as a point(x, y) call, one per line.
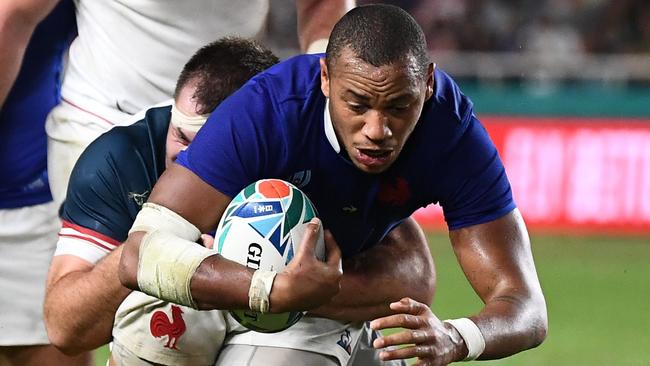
point(399, 108)
point(357, 108)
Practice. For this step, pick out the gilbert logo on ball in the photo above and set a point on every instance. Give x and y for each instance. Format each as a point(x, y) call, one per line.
point(262, 228)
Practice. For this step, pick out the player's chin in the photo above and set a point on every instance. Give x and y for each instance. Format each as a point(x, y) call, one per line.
point(373, 168)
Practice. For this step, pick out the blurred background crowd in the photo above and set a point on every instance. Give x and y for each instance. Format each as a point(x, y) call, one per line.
point(514, 39)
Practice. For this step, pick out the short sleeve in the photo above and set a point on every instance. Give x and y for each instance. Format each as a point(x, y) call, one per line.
point(95, 217)
point(242, 141)
point(474, 188)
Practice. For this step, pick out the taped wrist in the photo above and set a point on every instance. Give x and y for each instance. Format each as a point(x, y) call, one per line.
point(153, 217)
point(471, 335)
point(166, 265)
point(260, 290)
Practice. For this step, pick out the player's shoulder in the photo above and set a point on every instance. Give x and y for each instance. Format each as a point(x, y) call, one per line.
point(141, 143)
point(449, 99)
point(296, 77)
point(124, 139)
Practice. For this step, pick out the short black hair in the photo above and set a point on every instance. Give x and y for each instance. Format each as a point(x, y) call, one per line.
point(220, 68)
point(379, 34)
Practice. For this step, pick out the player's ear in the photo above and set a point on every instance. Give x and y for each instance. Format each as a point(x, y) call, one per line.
point(430, 81)
point(324, 78)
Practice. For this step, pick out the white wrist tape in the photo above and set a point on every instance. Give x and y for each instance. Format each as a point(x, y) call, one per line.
point(166, 265)
point(471, 335)
point(156, 217)
point(260, 290)
point(318, 46)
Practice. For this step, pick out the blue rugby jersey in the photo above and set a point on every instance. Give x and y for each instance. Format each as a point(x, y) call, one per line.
point(110, 182)
point(275, 127)
point(23, 143)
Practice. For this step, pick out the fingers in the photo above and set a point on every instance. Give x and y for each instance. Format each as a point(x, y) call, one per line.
point(333, 251)
point(207, 240)
point(308, 242)
point(407, 321)
point(410, 306)
point(403, 337)
point(406, 352)
point(410, 315)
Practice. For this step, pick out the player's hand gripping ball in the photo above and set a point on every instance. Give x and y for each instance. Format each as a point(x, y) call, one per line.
point(262, 228)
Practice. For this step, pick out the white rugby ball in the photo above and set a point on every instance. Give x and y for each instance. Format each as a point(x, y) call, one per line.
point(262, 228)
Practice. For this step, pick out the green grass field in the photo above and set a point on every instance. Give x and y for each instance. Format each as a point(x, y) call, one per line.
point(598, 295)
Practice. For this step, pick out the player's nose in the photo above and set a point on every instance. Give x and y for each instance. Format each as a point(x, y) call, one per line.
point(376, 126)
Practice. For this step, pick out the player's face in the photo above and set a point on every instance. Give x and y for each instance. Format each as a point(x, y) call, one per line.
point(179, 138)
point(374, 109)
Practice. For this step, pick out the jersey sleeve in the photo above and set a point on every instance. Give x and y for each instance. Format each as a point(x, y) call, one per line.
point(244, 140)
point(95, 220)
point(475, 188)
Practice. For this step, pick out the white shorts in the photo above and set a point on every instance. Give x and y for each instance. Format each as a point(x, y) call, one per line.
point(313, 341)
point(28, 238)
point(318, 335)
point(70, 129)
point(163, 333)
point(149, 331)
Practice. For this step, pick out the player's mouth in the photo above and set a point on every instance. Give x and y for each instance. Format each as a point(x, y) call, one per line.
point(374, 157)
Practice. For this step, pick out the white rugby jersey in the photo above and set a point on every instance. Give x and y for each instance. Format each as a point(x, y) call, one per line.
point(129, 53)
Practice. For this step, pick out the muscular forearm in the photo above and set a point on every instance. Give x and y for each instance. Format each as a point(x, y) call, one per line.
point(17, 23)
point(80, 306)
point(13, 43)
point(497, 260)
point(511, 324)
point(400, 266)
point(218, 283)
point(316, 18)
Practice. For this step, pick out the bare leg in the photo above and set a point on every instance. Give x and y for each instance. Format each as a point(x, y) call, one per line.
point(41, 355)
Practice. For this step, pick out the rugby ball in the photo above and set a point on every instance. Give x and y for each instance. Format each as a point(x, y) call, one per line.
point(262, 228)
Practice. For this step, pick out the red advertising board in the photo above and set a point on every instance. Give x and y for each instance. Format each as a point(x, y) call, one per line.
point(573, 174)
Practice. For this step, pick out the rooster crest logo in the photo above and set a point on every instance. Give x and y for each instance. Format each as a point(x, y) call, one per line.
point(160, 326)
point(395, 192)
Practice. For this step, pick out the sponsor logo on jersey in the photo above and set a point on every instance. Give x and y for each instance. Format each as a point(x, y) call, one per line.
point(349, 209)
point(345, 341)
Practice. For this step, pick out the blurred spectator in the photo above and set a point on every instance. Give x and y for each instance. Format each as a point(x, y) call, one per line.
point(574, 26)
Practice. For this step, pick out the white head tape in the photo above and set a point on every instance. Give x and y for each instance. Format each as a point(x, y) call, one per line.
point(188, 123)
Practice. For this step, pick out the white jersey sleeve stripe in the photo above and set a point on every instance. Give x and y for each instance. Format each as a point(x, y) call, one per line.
point(79, 247)
point(83, 243)
point(87, 239)
point(69, 228)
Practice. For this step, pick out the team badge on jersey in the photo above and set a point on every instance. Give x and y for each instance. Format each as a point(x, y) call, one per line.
point(160, 326)
point(394, 192)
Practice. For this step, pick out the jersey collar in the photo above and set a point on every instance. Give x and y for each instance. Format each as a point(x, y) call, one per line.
point(329, 128)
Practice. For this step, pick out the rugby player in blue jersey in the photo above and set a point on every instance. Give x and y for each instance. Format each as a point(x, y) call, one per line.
point(372, 131)
point(108, 186)
point(34, 38)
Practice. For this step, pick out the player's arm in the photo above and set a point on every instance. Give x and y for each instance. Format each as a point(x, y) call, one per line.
point(81, 300)
point(399, 266)
point(316, 18)
point(218, 283)
point(497, 260)
point(18, 19)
